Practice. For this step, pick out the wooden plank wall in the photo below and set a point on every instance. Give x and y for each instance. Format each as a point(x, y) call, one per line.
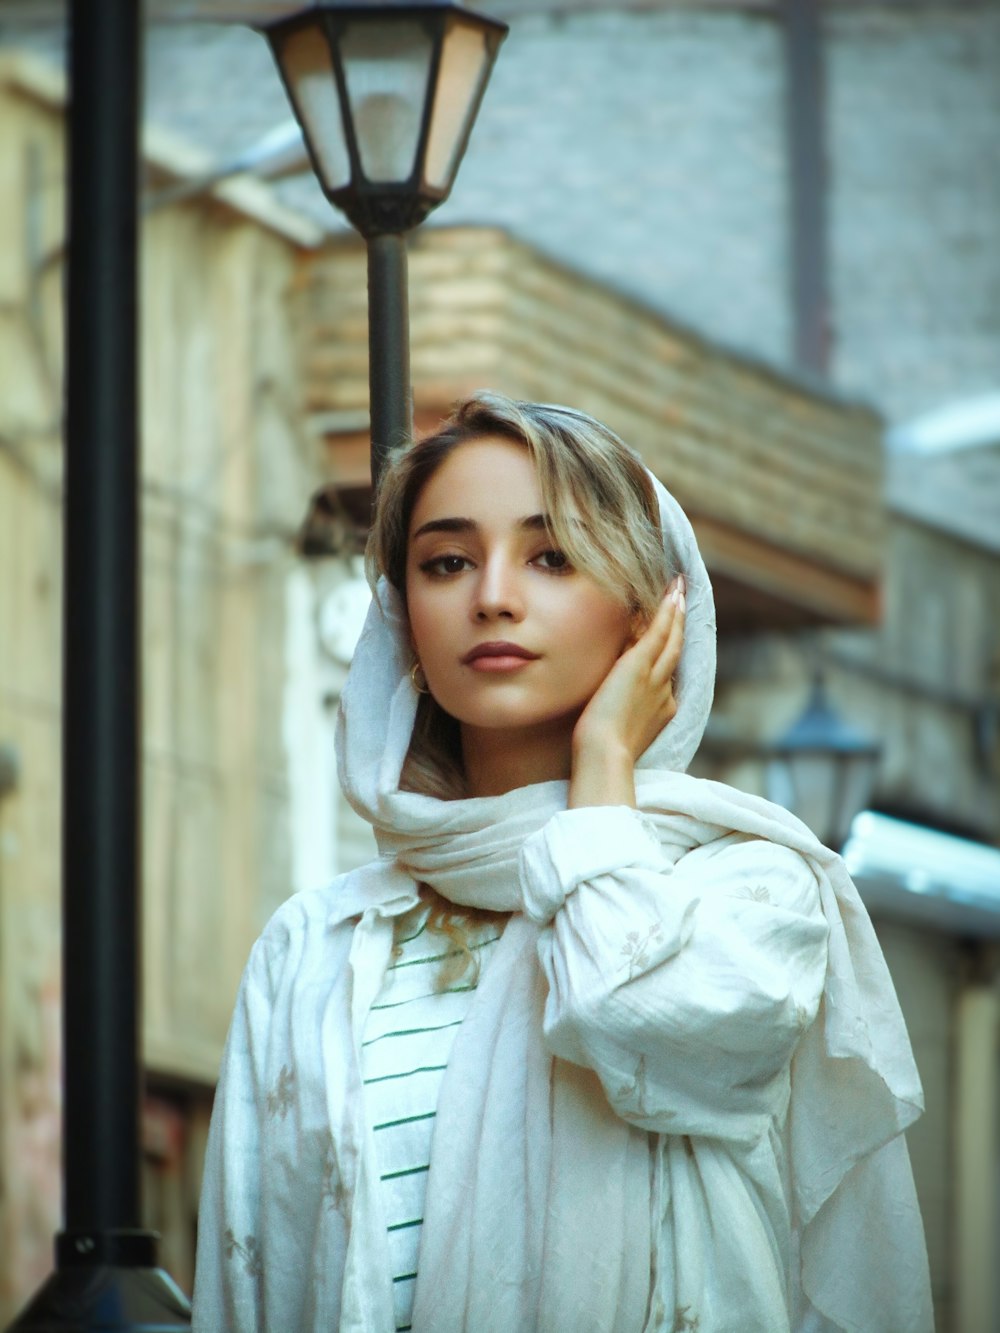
point(226, 472)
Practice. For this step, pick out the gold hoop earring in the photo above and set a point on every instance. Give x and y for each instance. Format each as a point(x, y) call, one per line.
point(417, 679)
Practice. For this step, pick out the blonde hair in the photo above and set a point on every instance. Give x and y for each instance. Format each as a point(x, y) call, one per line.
point(458, 927)
point(602, 511)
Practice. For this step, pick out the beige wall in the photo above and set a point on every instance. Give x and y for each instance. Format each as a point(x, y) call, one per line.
point(226, 475)
point(30, 670)
point(926, 971)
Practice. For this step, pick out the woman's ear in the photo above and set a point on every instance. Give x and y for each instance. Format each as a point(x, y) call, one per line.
point(637, 626)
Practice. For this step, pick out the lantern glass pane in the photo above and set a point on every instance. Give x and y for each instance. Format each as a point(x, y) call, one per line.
point(857, 779)
point(806, 783)
point(463, 70)
point(386, 65)
point(305, 62)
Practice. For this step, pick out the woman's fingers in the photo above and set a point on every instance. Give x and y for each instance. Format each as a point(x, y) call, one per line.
point(665, 635)
point(672, 648)
point(654, 637)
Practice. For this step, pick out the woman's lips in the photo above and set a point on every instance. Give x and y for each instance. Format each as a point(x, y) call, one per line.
point(498, 657)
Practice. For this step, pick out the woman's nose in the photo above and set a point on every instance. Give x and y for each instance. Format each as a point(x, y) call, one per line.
point(498, 592)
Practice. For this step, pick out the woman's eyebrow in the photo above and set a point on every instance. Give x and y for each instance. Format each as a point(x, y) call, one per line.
point(445, 525)
point(533, 523)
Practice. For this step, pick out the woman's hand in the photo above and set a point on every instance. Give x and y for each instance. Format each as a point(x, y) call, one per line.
point(630, 708)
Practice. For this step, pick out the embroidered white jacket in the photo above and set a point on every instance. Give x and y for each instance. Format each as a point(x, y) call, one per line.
point(711, 968)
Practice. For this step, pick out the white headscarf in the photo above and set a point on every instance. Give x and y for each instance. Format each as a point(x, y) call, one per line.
point(854, 1084)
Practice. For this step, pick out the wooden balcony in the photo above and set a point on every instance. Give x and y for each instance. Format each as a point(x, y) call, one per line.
point(782, 480)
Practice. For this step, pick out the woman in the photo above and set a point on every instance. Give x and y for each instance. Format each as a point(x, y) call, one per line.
point(593, 1045)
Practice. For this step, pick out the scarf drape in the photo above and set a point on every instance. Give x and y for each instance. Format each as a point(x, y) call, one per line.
point(854, 1084)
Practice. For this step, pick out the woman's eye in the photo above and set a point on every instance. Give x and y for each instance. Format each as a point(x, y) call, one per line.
point(442, 565)
point(554, 560)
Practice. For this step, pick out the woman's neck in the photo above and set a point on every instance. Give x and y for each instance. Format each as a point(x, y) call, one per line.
point(498, 761)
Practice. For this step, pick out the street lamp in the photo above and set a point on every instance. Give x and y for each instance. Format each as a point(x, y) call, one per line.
point(822, 769)
point(386, 95)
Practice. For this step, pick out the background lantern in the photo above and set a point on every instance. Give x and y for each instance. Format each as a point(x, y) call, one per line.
point(822, 769)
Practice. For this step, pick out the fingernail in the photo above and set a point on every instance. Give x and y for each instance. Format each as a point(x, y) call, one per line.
point(682, 584)
point(681, 602)
point(674, 594)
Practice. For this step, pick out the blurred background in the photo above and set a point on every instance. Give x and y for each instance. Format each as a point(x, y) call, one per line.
point(760, 239)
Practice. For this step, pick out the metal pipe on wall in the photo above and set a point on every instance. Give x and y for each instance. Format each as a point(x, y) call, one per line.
point(806, 137)
point(977, 1040)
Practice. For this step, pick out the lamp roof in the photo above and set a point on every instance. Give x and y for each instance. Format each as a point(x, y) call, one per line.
point(392, 8)
point(821, 729)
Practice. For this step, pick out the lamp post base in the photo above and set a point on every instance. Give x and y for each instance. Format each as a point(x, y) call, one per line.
point(106, 1282)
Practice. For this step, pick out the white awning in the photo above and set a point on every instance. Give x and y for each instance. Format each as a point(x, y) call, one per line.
point(917, 874)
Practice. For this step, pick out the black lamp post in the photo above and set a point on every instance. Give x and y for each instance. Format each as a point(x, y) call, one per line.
point(822, 769)
point(106, 1274)
point(386, 95)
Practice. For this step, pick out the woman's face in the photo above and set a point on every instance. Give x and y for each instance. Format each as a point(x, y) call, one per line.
point(510, 637)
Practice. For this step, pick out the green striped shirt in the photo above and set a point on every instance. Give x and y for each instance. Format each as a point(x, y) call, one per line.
point(405, 1048)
